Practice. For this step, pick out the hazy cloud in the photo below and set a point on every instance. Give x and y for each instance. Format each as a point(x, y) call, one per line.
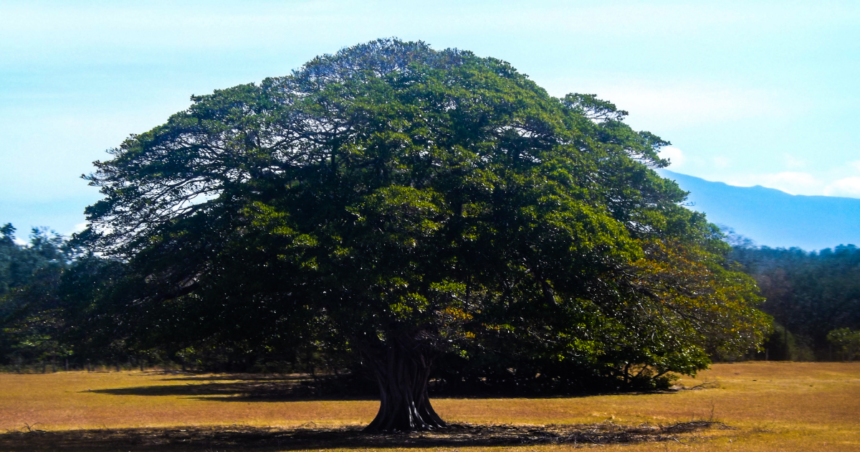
point(792, 182)
point(847, 187)
point(78, 228)
point(675, 156)
point(678, 103)
point(839, 181)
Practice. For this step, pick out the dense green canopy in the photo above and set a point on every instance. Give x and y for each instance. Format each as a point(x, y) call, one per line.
point(399, 202)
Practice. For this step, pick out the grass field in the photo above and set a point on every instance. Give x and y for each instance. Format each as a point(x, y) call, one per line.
point(768, 406)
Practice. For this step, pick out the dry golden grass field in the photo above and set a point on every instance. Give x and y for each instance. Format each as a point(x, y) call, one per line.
point(761, 406)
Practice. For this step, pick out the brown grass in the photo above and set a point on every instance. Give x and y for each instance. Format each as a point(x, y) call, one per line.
point(771, 406)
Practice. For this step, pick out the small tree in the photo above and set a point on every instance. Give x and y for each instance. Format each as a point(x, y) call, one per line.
point(398, 202)
point(31, 320)
point(848, 342)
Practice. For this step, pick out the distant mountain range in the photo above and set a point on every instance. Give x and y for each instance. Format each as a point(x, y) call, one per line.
point(774, 218)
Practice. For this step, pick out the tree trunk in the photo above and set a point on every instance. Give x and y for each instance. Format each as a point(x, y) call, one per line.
point(403, 377)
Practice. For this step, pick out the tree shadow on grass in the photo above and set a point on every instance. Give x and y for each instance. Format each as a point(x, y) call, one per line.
point(189, 376)
point(228, 389)
point(265, 439)
point(244, 390)
point(297, 388)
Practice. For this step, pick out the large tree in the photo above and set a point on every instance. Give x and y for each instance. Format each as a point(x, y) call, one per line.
point(399, 202)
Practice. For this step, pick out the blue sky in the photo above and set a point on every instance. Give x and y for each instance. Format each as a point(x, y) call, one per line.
point(749, 93)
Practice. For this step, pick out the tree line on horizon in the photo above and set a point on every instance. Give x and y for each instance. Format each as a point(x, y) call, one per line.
point(813, 296)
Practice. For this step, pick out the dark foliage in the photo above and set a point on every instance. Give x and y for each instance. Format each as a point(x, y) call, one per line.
point(810, 294)
point(31, 320)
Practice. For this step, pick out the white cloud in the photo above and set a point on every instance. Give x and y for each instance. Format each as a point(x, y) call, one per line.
point(793, 182)
point(21, 241)
point(802, 183)
point(847, 187)
point(78, 228)
point(675, 156)
point(659, 104)
point(841, 180)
